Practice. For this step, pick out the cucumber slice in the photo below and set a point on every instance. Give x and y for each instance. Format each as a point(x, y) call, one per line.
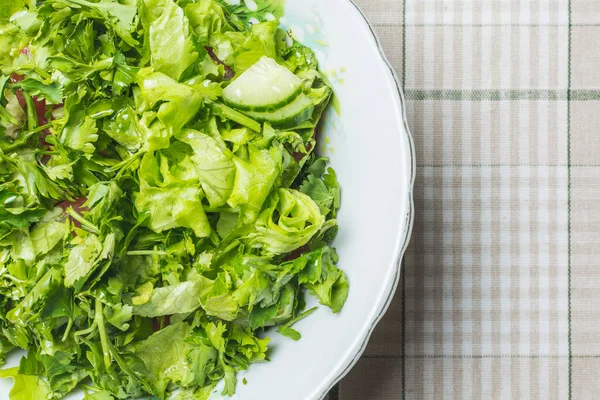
point(291, 115)
point(265, 86)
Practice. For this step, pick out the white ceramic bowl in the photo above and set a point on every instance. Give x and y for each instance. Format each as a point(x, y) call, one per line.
point(371, 149)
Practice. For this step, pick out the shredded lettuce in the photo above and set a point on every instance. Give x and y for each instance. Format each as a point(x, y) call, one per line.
point(150, 235)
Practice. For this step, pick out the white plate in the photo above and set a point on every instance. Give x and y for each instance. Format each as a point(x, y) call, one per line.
point(371, 149)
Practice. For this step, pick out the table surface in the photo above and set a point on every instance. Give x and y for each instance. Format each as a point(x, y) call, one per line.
point(500, 291)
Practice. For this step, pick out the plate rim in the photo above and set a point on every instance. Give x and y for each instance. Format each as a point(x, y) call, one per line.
point(404, 239)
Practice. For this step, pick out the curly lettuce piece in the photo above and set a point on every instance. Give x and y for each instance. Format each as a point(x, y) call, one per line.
point(26, 387)
point(181, 298)
point(207, 18)
point(173, 205)
point(254, 180)
point(289, 220)
point(176, 103)
point(172, 49)
point(214, 164)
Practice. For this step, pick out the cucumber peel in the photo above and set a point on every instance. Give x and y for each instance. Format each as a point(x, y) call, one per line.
point(293, 114)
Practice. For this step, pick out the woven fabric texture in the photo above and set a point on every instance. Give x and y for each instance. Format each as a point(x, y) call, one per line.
point(500, 290)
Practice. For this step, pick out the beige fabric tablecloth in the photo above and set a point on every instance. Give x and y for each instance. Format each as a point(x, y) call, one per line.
point(500, 296)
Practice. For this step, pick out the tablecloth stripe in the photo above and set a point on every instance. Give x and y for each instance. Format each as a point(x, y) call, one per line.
point(569, 193)
point(502, 95)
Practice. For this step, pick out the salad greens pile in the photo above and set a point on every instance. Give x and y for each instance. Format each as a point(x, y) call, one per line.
point(160, 202)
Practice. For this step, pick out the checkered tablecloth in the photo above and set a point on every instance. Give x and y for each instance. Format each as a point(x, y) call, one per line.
point(500, 291)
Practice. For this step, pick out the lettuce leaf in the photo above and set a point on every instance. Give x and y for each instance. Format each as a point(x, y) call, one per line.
point(287, 223)
point(181, 298)
point(174, 205)
point(214, 164)
point(163, 355)
point(254, 180)
point(26, 387)
point(172, 50)
point(176, 104)
point(207, 18)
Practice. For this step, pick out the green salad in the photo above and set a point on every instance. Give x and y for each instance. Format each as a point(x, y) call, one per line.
point(161, 207)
